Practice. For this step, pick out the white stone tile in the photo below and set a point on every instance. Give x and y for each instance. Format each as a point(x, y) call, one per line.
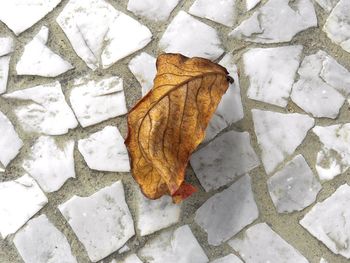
point(41, 242)
point(133, 258)
point(327, 5)
point(337, 26)
point(144, 69)
point(4, 72)
point(231, 258)
point(153, 9)
point(322, 260)
point(224, 159)
point(124, 249)
point(94, 101)
point(294, 187)
point(226, 213)
point(19, 201)
point(179, 246)
point(38, 59)
point(105, 151)
point(230, 108)
point(197, 39)
point(102, 221)
point(316, 90)
point(222, 11)
point(20, 15)
point(50, 164)
point(45, 109)
point(6, 46)
point(334, 157)
point(100, 34)
point(154, 215)
point(271, 73)
point(328, 221)
point(10, 143)
point(250, 4)
point(260, 244)
point(277, 21)
point(279, 135)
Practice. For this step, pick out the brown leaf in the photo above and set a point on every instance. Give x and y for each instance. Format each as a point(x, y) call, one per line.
point(167, 124)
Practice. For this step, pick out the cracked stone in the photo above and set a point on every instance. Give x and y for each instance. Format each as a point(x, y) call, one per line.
point(261, 244)
point(224, 159)
point(279, 135)
point(105, 151)
point(100, 34)
point(38, 59)
point(322, 80)
point(178, 246)
point(197, 39)
point(19, 201)
point(41, 242)
point(102, 221)
point(6, 48)
point(337, 26)
point(277, 21)
point(294, 187)
point(226, 213)
point(51, 165)
point(328, 221)
point(45, 110)
point(271, 73)
point(94, 101)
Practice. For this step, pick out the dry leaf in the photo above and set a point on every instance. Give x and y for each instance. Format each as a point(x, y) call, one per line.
point(167, 124)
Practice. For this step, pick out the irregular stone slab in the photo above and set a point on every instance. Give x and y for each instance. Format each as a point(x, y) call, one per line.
point(153, 9)
point(224, 159)
point(222, 12)
point(100, 34)
point(231, 258)
point(250, 4)
point(105, 151)
point(196, 39)
point(230, 108)
point(41, 242)
point(337, 26)
point(327, 5)
point(38, 59)
point(94, 101)
point(102, 221)
point(179, 246)
point(20, 15)
point(316, 90)
point(51, 165)
point(277, 21)
point(225, 214)
point(144, 69)
point(279, 135)
point(19, 201)
point(294, 187)
point(6, 48)
point(10, 143)
point(133, 258)
point(45, 110)
point(334, 157)
point(154, 215)
point(322, 260)
point(271, 73)
point(261, 244)
point(328, 221)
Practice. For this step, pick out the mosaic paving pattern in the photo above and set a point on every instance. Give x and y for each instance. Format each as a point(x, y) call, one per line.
point(272, 172)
